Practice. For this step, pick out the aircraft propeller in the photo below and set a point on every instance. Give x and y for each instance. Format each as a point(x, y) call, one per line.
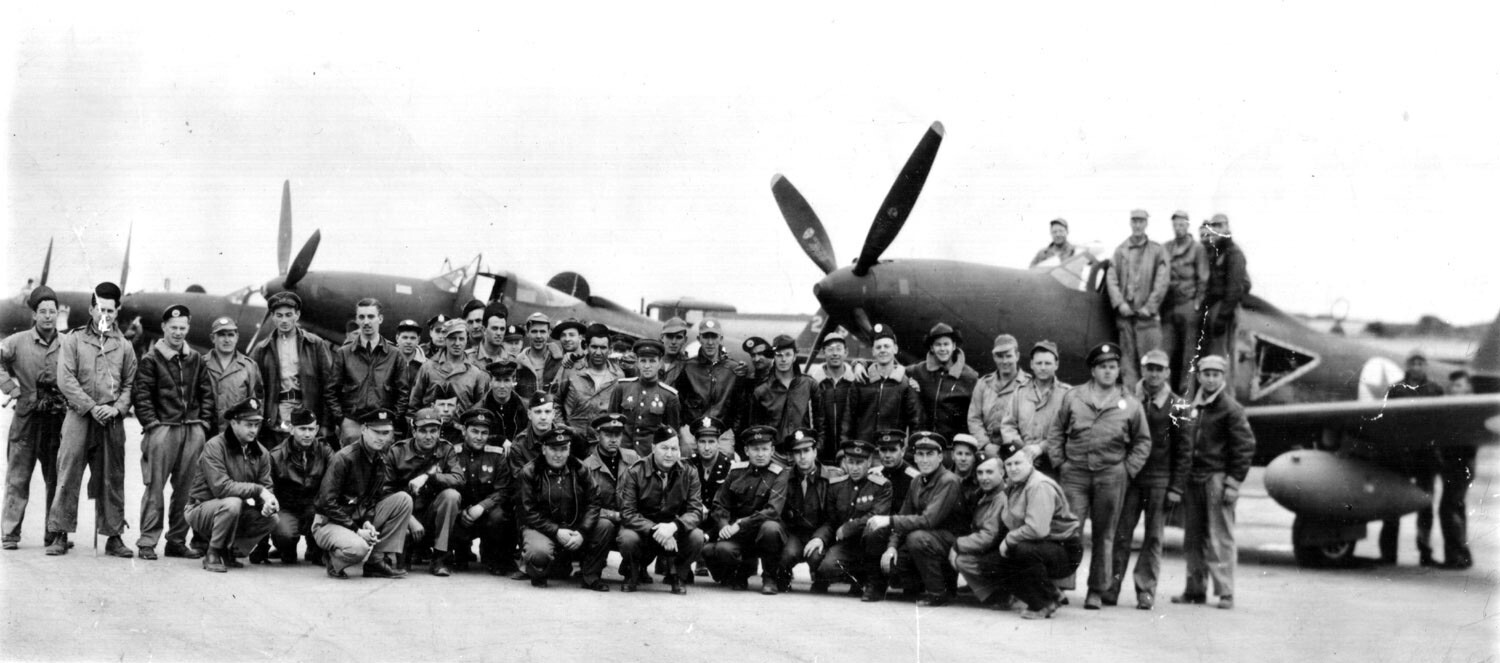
point(284, 234)
point(804, 223)
point(302, 261)
point(47, 264)
point(125, 268)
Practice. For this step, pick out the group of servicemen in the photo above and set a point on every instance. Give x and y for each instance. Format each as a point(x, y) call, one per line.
point(552, 443)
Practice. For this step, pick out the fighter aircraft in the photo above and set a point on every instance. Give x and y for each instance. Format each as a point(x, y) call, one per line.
point(1316, 401)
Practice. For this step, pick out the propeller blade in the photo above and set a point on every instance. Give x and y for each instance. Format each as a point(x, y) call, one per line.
point(900, 200)
point(304, 258)
point(284, 232)
point(865, 328)
point(125, 268)
point(804, 223)
point(47, 264)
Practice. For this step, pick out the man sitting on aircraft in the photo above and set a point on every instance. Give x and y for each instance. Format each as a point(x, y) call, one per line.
point(785, 401)
point(541, 360)
point(835, 378)
point(887, 397)
point(232, 374)
point(1419, 463)
point(1035, 405)
point(852, 501)
point(946, 384)
point(1137, 282)
point(1099, 441)
point(1059, 248)
point(1223, 446)
point(706, 387)
point(366, 372)
point(452, 368)
point(502, 400)
point(1228, 284)
point(296, 367)
point(584, 390)
point(920, 535)
point(491, 347)
point(644, 400)
point(1179, 311)
point(994, 392)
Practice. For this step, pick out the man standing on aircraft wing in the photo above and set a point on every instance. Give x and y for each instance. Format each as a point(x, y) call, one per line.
point(1179, 311)
point(994, 392)
point(706, 386)
point(1137, 282)
point(1059, 248)
point(28, 374)
point(644, 400)
point(887, 397)
point(366, 372)
point(946, 382)
point(296, 367)
point(569, 337)
point(1035, 405)
point(1099, 440)
point(451, 368)
point(1223, 447)
point(95, 370)
point(435, 339)
point(1228, 284)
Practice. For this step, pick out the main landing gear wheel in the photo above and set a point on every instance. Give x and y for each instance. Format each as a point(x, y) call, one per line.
point(1326, 555)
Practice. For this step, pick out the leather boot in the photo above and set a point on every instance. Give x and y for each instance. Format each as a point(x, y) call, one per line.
point(439, 564)
point(214, 562)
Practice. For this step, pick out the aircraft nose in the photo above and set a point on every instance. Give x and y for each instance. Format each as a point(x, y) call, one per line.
point(14, 318)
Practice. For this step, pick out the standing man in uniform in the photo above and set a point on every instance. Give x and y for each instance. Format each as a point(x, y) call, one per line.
point(435, 339)
point(1223, 447)
point(806, 518)
point(747, 378)
point(1099, 440)
point(28, 376)
point(645, 401)
point(585, 389)
point(835, 379)
point(491, 347)
point(920, 536)
point(660, 508)
point(233, 504)
point(748, 506)
point(945, 382)
point(674, 358)
point(560, 514)
point(784, 401)
point(1179, 311)
point(1137, 282)
point(297, 470)
point(706, 386)
point(541, 360)
point(1035, 405)
point(1059, 248)
point(473, 315)
point(852, 500)
point(360, 520)
point(887, 398)
point(1158, 487)
point(994, 392)
point(452, 368)
point(232, 374)
point(408, 334)
point(1456, 468)
point(366, 372)
point(174, 402)
point(569, 337)
point(1419, 463)
point(1228, 284)
point(95, 371)
point(295, 367)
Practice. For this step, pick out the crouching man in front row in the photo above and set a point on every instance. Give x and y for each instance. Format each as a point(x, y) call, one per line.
point(560, 513)
point(231, 504)
point(660, 508)
point(359, 518)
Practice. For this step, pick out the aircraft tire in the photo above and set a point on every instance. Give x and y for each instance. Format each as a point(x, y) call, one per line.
point(1324, 556)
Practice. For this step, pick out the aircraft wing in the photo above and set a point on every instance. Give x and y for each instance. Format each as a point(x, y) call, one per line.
point(1443, 420)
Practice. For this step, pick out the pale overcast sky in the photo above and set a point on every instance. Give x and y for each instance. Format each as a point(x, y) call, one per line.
point(1356, 152)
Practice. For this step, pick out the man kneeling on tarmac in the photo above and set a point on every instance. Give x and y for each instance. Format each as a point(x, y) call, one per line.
point(360, 519)
point(231, 503)
point(560, 513)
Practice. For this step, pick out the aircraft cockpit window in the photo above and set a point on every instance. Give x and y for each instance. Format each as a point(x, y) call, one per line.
point(532, 293)
point(1278, 363)
point(1073, 273)
point(451, 281)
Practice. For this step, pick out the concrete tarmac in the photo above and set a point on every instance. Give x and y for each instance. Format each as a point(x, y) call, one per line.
point(86, 606)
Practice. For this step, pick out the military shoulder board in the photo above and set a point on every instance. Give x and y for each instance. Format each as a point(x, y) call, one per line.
point(876, 478)
point(837, 478)
point(490, 448)
point(739, 465)
point(831, 473)
point(628, 380)
point(776, 469)
point(912, 472)
point(669, 388)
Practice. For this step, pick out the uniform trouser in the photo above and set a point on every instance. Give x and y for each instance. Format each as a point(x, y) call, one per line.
point(34, 439)
point(638, 548)
point(229, 521)
point(923, 557)
point(1390, 530)
point(1179, 339)
point(848, 560)
point(1208, 537)
point(1151, 501)
point(439, 516)
point(1096, 497)
point(345, 547)
point(539, 551)
point(791, 554)
point(1216, 338)
point(292, 524)
point(982, 572)
point(85, 442)
point(1457, 472)
point(726, 557)
point(1027, 569)
point(1138, 335)
point(169, 456)
point(496, 534)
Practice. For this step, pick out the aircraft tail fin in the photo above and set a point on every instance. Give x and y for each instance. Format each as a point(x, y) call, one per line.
point(1485, 368)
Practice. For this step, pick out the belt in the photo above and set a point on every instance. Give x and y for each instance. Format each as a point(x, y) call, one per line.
point(290, 395)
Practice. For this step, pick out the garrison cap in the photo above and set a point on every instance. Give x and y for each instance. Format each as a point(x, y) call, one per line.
point(1009, 449)
point(926, 439)
point(408, 325)
point(883, 330)
point(245, 409)
point(110, 291)
point(1179, 214)
point(377, 416)
point(175, 311)
point(674, 326)
point(1059, 221)
point(1139, 214)
point(756, 345)
point(613, 421)
point(889, 437)
point(858, 448)
point(570, 323)
point(436, 321)
point(453, 326)
point(471, 306)
point(1212, 363)
point(38, 295)
point(757, 435)
point(836, 336)
point(444, 392)
point(707, 427)
point(940, 330)
point(649, 347)
point(303, 417)
point(284, 299)
point(514, 333)
point(783, 342)
point(1156, 358)
point(1102, 353)
point(426, 417)
point(224, 323)
point(539, 398)
point(596, 330)
point(710, 326)
point(560, 437)
point(477, 416)
point(1044, 345)
point(967, 440)
point(1005, 342)
point(502, 369)
point(538, 318)
point(802, 438)
point(496, 310)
